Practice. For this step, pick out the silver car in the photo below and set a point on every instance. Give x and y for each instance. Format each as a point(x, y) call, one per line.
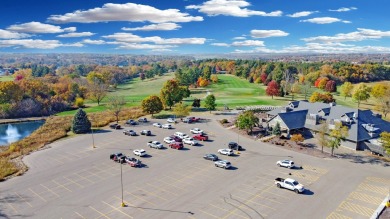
point(223, 164)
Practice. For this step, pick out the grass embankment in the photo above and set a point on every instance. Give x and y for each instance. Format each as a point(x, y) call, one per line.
point(7, 78)
point(55, 127)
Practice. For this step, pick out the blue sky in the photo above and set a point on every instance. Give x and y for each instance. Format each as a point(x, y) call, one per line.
point(195, 26)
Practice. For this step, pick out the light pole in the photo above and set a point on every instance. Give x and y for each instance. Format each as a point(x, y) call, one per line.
point(93, 140)
point(122, 203)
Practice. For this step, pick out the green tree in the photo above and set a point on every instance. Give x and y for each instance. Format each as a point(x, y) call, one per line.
point(321, 136)
point(385, 140)
point(247, 121)
point(172, 93)
point(81, 123)
point(196, 103)
point(346, 90)
point(276, 130)
point(338, 134)
point(209, 102)
point(361, 93)
point(115, 105)
point(152, 105)
point(181, 110)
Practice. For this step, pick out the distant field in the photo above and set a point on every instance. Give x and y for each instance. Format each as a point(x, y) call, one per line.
point(6, 78)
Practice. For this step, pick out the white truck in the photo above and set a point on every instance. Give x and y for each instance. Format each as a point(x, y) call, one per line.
point(290, 184)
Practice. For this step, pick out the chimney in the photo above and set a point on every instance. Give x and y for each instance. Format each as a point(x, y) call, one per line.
point(332, 104)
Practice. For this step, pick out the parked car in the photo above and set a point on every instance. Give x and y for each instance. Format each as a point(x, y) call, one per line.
point(131, 122)
point(223, 164)
point(285, 163)
point(146, 132)
point(117, 157)
point(155, 144)
point(115, 126)
point(139, 152)
point(187, 120)
point(171, 120)
point(130, 132)
point(290, 184)
point(142, 120)
point(201, 137)
point(169, 140)
point(176, 145)
point(133, 162)
point(166, 126)
point(177, 139)
point(211, 157)
point(193, 119)
point(234, 146)
point(158, 125)
point(190, 141)
point(196, 131)
point(181, 135)
point(226, 151)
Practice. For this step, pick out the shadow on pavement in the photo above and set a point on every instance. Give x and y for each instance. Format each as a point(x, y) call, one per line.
point(307, 192)
point(362, 159)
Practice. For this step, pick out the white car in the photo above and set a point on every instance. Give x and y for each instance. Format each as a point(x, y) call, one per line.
point(155, 144)
point(196, 131)
point(169, 140)
point(226, 151)
point(158, 125)
point(181, 135)
point(171, 120)
point(223, 164)
point(139, 152)
point(285, 163)
point(166, 126)
point(190, 141)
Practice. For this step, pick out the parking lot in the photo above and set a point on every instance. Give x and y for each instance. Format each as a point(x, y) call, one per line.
point(75, 180)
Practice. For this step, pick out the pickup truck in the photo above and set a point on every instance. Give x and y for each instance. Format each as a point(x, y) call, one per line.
point(290, 184)
point(155, 144)
point(133, 162)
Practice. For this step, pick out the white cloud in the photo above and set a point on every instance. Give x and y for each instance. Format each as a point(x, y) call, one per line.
point(239, 38)
point(248, 43)
point(131, 38)
point(35, 44)
point(236, 8)
point(38, 27)
point(324, 20)
point(94, 42)
point(302, 14)
point(220, 44)
point(268, 33)
point(5, 34)
point(125, 12)
point(152, 27)
point(359, 35)
point(81, 34)
point(343, 9)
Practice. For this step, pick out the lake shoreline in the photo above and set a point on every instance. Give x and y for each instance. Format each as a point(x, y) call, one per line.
point(17, 120)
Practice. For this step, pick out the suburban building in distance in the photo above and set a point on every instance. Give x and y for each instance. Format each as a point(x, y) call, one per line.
point(364, 126)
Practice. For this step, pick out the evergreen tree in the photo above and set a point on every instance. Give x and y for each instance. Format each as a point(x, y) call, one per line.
point(276, 130)
point(81, 123)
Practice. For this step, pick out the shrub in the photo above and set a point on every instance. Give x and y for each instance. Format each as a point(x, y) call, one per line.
point(79, 102)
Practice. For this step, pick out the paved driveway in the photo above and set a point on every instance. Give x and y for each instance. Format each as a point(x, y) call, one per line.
point(73, 180)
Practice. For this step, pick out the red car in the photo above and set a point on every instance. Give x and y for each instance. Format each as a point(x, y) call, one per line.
point(176, 145)
point(193, 119)
point(201, 137)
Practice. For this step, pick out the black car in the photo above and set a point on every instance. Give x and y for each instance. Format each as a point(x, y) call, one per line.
point(115, 126)
point(130, 132)
point(234, 146)
point(142, 120)
point(118, 157)
point(212, 157)
point(146, 132)
point(131, 122)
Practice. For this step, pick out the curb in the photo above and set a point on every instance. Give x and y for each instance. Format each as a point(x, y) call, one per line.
point(381, 207)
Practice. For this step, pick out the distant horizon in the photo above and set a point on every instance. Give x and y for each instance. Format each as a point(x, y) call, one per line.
point(194, 27)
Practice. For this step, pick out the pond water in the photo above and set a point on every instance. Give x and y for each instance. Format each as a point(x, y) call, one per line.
point(13, 132)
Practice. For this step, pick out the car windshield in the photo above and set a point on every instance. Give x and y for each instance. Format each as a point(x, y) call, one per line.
point(295, 183)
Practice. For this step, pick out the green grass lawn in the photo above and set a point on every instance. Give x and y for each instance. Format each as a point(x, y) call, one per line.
point(7, 78)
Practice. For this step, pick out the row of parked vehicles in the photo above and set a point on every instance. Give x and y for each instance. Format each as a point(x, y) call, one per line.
point(121, 158)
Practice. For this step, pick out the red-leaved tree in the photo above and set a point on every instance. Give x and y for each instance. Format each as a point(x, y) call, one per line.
point(272, 89)
point(330, 86)
point(263, 77)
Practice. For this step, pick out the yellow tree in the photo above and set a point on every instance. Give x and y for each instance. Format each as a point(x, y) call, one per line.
point(338, 134)
point(346, 89)
point(361, 93)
